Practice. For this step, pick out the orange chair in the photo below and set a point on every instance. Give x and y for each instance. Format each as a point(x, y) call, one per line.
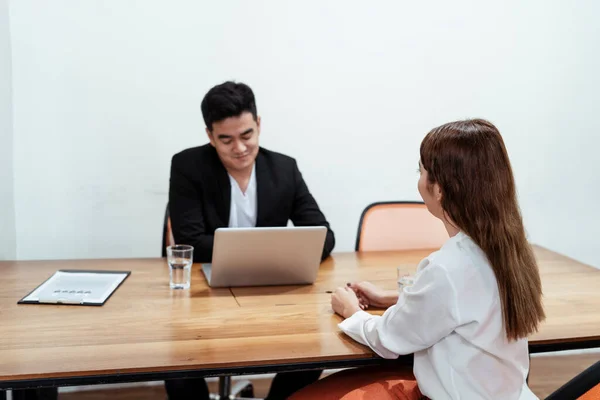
point(592, 394)
point(399, 225)
point(585, 386)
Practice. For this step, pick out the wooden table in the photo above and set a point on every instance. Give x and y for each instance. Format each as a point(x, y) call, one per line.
point(146, 331)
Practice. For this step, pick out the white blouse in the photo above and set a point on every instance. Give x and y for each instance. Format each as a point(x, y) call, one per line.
point(451, 319)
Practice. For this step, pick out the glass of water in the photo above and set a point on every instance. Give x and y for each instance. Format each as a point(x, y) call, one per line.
point(404, 277)
point(180, 259)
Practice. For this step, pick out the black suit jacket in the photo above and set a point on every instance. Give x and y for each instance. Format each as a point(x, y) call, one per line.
point(200, 197)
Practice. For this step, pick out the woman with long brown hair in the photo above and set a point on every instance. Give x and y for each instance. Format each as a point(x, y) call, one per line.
point(473, 303)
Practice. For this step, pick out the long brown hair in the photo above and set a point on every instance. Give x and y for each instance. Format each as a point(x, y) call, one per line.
point(469, 161)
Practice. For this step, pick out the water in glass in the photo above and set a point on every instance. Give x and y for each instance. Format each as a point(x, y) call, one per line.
point(180, 270)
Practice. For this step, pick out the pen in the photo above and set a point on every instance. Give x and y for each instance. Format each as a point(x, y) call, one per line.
point(348, 284)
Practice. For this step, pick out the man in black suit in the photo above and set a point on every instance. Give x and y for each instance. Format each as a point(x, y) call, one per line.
point(233, 182)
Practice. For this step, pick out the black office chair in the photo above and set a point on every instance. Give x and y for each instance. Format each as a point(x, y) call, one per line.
point(586, 386)
point(167, 235)
point(243, 389)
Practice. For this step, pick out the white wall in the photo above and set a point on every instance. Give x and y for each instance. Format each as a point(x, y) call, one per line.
point(105, 93)
point(8, 244)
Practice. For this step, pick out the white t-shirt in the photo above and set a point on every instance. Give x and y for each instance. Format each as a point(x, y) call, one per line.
point(451, 319)
point(242, 212)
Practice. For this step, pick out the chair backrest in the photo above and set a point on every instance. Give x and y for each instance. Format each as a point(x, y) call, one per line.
point(399, 225)
point(167, 236)
point(592, 394)
point(585, 386)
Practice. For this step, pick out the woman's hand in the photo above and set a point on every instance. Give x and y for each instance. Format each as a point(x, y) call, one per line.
point(370, 295)
point(344, 302)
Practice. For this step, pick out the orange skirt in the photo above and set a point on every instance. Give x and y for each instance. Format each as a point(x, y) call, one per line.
point(385, 383)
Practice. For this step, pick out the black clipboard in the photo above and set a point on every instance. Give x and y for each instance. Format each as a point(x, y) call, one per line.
point(82, 303)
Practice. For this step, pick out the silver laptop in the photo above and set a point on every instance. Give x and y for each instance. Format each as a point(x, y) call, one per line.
point(265, 256)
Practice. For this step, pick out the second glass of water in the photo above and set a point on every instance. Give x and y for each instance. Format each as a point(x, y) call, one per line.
point(180, 258)
point(404, 277)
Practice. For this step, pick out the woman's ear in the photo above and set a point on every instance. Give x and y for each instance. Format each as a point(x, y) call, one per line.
point(437, 192)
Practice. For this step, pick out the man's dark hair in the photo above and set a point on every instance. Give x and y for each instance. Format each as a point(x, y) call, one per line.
point(226, 100)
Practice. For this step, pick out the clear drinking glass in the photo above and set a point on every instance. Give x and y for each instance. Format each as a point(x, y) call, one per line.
point(180, 258)
point(405, 277)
